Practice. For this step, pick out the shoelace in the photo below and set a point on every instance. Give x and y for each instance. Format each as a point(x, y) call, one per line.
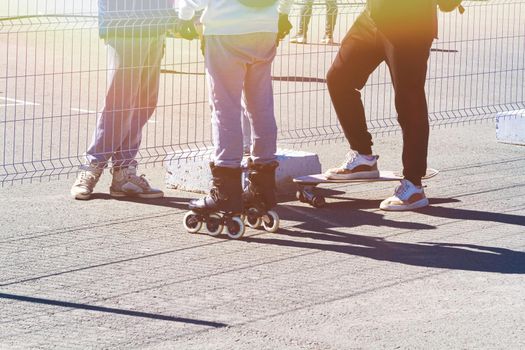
point(87, 178)
point(139, 180)
point(350, 157)
point(401, 190)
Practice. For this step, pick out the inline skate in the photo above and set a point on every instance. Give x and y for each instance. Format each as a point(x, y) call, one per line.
point(259, 196)
point(221, 208)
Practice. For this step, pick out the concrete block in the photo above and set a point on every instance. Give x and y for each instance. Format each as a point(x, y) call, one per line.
point(510, 127)
point(189, 171)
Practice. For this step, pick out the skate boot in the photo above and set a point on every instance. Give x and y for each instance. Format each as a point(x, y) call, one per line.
point(221, 208)
point(259, 196)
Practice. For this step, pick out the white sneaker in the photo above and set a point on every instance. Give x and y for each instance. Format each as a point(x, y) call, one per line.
point(356, 166)
point(87, 178)
point(407, 196)
point(298, 39)
point(126, 183)
point(327, 40)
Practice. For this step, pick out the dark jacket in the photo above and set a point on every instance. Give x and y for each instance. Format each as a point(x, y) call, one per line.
point(404, 18)
point(135, 18)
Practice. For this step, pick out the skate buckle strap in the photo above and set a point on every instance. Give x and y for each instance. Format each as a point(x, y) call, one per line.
point(216, 195)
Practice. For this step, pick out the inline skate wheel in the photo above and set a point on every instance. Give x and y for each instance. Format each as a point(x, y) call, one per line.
point(271, 222)
point(192, 222)
point(235, 228)
point(252, 219)
point(318, 202)
point(214, 225)
point(300, 196)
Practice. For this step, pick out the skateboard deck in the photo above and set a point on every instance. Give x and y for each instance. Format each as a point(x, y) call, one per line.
point(385, 175)
point(306, 191)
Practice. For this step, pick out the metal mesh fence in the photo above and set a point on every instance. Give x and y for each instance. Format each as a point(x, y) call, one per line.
point(54, 75)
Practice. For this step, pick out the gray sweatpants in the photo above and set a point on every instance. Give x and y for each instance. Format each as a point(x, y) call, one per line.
point(133, 75)
point(237, 64)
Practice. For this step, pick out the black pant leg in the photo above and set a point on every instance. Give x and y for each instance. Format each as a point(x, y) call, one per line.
point(357, 58)
point(408, 62)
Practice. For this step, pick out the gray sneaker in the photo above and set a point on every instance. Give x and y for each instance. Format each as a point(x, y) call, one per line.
point(126, 183)
point(87, 178)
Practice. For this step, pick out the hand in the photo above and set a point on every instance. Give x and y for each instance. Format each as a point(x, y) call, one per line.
point(284, 27)
point(186, 30)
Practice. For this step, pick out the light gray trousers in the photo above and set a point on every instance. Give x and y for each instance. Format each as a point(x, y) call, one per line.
point(131, 99)
point(237, 64)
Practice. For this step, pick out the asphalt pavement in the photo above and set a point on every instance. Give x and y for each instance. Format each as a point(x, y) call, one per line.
point(123, 273)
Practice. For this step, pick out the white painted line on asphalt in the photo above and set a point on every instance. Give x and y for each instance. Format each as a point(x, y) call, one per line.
point(83, 110)
point(16, 102)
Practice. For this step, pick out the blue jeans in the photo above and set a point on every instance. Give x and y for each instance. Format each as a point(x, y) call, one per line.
point(238, 72)
point(134, 74)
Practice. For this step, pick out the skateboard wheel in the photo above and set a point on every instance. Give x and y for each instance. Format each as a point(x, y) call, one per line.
point(214, 225)
point(271, 222)
point(318, 201)
point(192, 222)
point(235, 228)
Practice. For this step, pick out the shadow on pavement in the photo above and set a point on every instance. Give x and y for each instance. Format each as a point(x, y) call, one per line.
point(473, 215)
point(169, 202)
point(88, 307)
point(351, 212)
point(426, 254)
point(321, 235)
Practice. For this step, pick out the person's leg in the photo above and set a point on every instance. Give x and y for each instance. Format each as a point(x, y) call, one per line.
point(408, 60)
point(331, 17)
point(357, 58)
point(304, 22)
point(125, 71)
point(125, 180)
point(306, 16)
point(114, 121)
point(146, 102)
point(258, 92)
point(225, 73)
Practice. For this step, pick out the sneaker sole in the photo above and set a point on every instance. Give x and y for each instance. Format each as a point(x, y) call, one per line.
point(81, 197)
point(354, 176)
point(416, 205)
